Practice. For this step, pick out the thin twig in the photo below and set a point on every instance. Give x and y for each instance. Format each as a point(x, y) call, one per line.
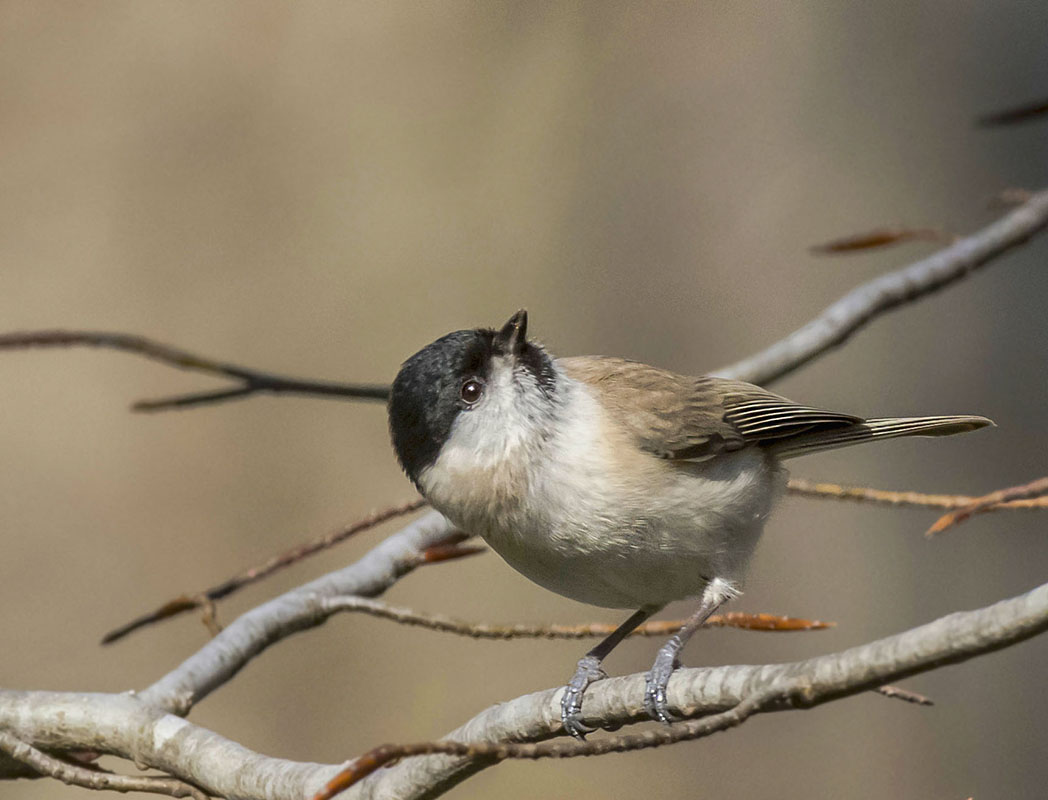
point(830, 329)
point(296, 610)
point(1027, 492)
point(862, 305)
point(878, 238)
point(251, 381)
point(1010, 116)
point(92, 778)
point(860, 494)
point(484, 630)
point(800, 486)
point(898, 693)
point(188, 602)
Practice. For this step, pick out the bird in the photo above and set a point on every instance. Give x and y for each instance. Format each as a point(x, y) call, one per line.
point(609, 481)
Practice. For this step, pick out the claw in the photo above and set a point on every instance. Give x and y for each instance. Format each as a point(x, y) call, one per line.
point(588, 671)
point(655, 703)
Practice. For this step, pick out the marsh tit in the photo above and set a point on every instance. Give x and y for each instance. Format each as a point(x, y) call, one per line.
point(609, 481)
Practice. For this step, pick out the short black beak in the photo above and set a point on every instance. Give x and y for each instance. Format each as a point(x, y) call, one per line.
point(514, 334)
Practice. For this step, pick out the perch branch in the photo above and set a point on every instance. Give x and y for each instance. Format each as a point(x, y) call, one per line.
point(128, 726)
point(693, 692)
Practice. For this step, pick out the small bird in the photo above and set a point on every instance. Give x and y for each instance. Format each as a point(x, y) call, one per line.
point(610, 481)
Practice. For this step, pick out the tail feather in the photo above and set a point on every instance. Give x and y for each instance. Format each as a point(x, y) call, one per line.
point(814, 441)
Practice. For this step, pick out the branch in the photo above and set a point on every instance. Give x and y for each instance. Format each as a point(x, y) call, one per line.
point(860, 494)
point(86, 778)
point(251, 381)
point(497, 733)
point(1010, 116)
point(126, 725)
point(863, 304)
point(183, 603)
point(297, 610)
point(485, 630)
point(830, 329)
point(1029, 492)
point(880, 237)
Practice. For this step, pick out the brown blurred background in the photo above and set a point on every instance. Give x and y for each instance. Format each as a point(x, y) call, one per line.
point(320, 189)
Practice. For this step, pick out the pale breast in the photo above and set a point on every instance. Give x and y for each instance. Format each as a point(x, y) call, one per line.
point(607, 524)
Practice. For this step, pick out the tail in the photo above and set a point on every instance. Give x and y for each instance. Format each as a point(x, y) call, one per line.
point(813, 441)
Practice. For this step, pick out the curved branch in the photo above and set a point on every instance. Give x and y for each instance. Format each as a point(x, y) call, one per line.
point(297, 610)
point(861, 305)
point(126, 725)
point(75, 775)
point(696, 692)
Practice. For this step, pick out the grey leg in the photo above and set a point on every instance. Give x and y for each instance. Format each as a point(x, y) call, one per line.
point(589, 670)
point(668, 658)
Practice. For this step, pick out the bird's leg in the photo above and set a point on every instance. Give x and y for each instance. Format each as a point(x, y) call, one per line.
point(589, 670)
point(716, 594)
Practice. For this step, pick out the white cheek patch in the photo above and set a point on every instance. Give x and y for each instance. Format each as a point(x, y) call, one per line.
point(490, 448)
point(496, 428)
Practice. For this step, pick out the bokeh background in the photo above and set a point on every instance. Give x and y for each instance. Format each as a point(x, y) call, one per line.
point(322, 188)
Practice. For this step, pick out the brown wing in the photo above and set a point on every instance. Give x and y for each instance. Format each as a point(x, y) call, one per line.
point(678, 417)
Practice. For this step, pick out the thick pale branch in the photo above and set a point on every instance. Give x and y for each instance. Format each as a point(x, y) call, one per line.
point(694, 692)
point(83, 777)
point(127, 726)
point(863, 304)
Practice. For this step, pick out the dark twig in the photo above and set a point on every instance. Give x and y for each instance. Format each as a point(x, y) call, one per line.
point(184, 603)
point(863, 304)
point(252, 381)
point(1010, 116)
point(88, 778)
point(993, 500)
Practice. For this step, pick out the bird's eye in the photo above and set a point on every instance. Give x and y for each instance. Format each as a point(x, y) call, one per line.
point(471, 391)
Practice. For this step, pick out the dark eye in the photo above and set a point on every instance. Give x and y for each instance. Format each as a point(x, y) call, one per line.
point(471, 391)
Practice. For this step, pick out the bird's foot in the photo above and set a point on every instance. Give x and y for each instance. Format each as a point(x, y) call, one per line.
point(588, 671)
point(656, 681)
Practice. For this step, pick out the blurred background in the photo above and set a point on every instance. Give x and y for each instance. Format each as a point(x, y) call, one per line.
point(320, 189)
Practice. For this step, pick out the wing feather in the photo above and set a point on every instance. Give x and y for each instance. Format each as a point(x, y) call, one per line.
point(683, 418)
